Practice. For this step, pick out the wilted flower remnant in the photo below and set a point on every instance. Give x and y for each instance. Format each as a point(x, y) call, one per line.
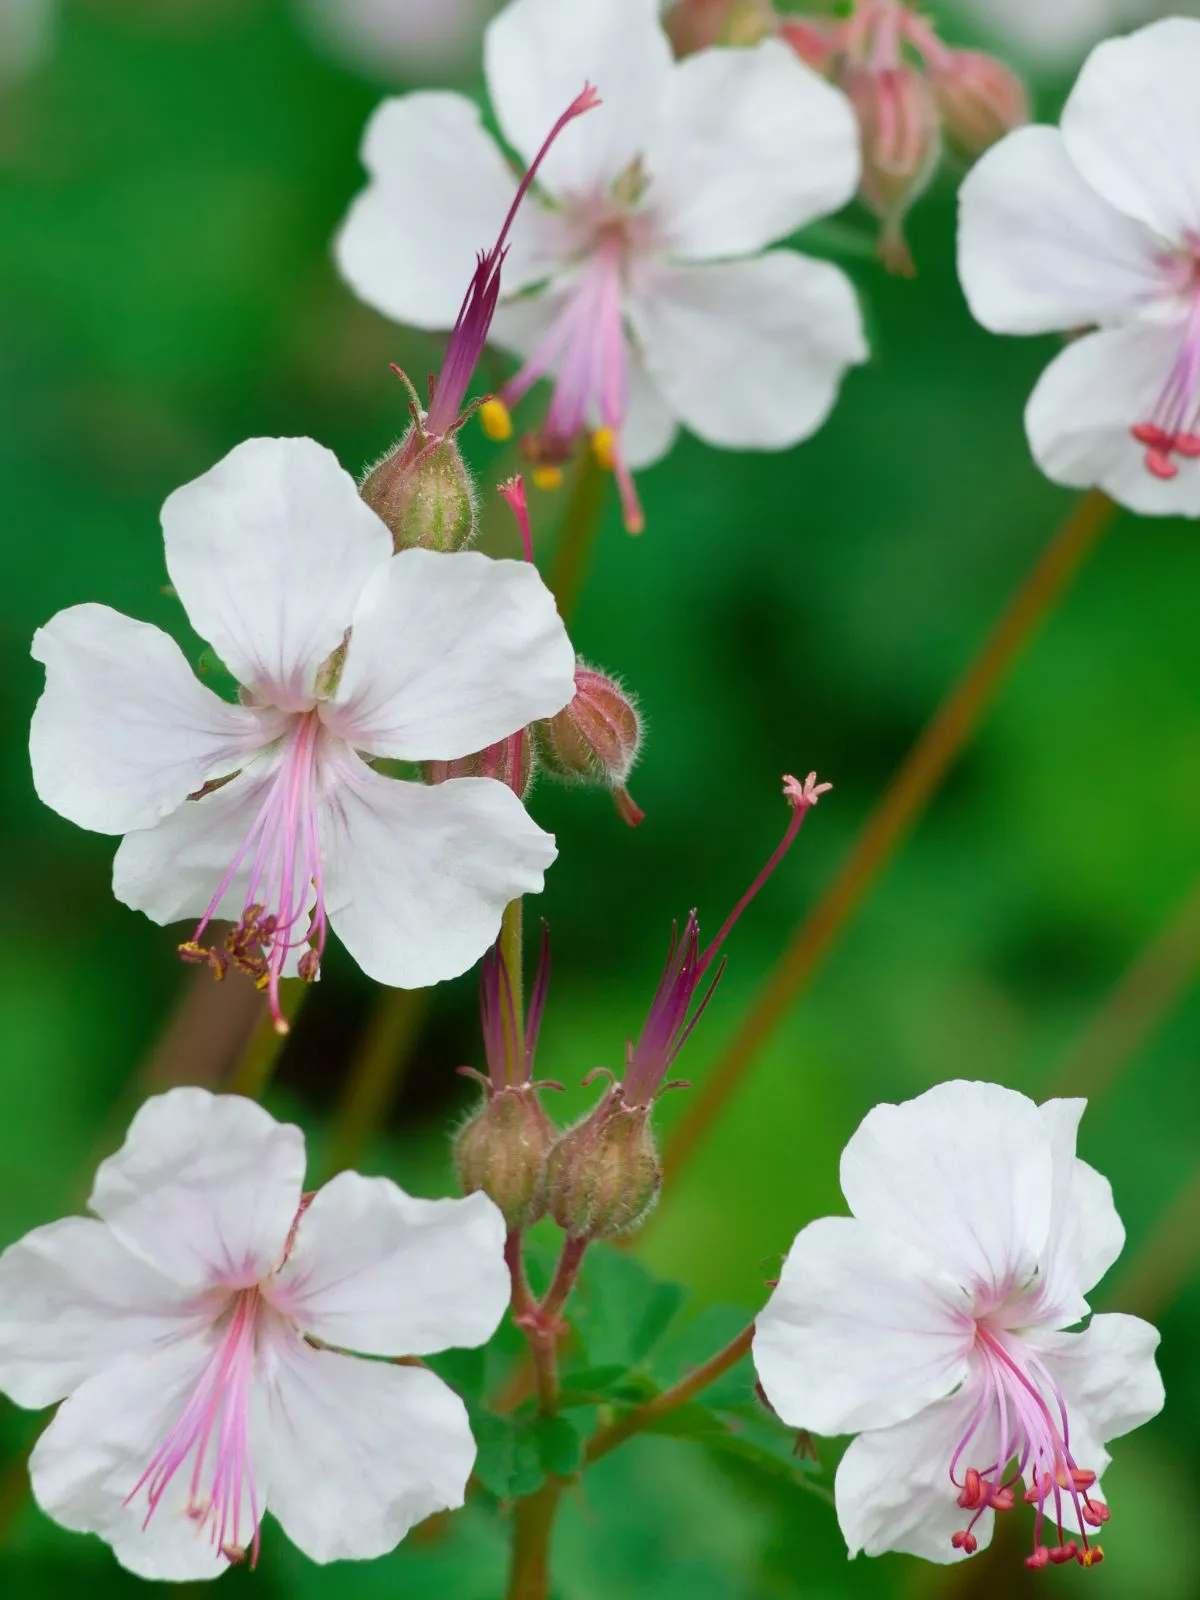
point(604, 1174)
point(266, 812)
point(196, 1329)
point(1089, 228)
point(932, 1323)
point(637, 283)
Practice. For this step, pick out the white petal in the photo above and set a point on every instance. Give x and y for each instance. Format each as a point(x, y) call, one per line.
point(439, 192)
point(1107, 1373)
point(363, 1450)
point(72, 1300)
point(124, 732)
point(100, 1443)
point(863, 1331)
point(269, 552)
point(205, 1186)
point(450, 653)
point(1086, 402)
point(1132, 125)
point(377, 1271)
point(1086, 1235)
point(749, 146)
point(963, 1173)
point(173, 870)
point(416, 878)
point(893, 1486)
point(650, 429)
point(750, 354)
point(1038, 249)
point(539, 53)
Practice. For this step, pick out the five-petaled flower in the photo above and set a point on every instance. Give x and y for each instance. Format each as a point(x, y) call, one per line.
point(1097, 226)
point(932, 1324)
point(266, 812)
point(653, 300)
point(196, 1331)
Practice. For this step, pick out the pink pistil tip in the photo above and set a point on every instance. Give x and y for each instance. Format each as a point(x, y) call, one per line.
point(513, 491)
point(804, 794)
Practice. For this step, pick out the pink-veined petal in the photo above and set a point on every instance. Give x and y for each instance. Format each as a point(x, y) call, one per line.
point(1107, 1373)
point(124, 732)
point(269, 552)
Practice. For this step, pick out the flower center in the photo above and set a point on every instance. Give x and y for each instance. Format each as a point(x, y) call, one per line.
point(1017, 1393)
point(213, 1431)
point(586, 346)
point(284, 853)
point(1173, 428)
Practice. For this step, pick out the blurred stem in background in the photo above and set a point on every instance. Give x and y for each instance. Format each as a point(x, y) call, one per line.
point(902, 804)
point(256, 1066)
point(376, 1073)
point(577, 536)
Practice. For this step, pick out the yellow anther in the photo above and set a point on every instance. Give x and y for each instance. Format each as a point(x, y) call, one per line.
point(548, 477)
point(1091, 1557)
point(496, 420)
point(603, 445)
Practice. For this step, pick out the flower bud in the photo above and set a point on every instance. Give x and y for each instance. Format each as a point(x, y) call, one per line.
point(603, 1175)
point(901, 146)
point(423, 491)
point(812, 41)
point(510, 761)
point(595, 738)
point(502, 1151)
point(980, 99)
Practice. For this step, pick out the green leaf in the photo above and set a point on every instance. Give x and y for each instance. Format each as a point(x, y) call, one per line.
point(691, 1343)
point(559, 1445)
point(620, 1311)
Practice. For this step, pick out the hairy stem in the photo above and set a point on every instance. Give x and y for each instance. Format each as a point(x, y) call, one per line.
point(901, 805)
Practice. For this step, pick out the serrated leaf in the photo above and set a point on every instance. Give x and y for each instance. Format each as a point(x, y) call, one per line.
point(495, 1439)
point(464, 1371)
point(690, 1344)
point(559, 1445)
point(620, 1311)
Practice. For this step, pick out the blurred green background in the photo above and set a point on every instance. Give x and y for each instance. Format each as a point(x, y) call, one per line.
point(170, 177)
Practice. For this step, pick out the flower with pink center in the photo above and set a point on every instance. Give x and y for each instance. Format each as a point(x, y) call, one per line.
point(1097, 226)
point(639, 284)
point(196, 1330)
point(268, 812)
point(933, 1323)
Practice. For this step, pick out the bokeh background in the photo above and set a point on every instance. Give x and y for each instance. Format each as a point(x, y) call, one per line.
point(171, 172)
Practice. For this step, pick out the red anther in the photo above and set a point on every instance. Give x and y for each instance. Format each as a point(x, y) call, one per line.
point(309, 966)
point(1154, 438)
point(1091, 1556)
point(1064, 1553)
point(972, 1496)
point(1001, 1499)
point(962, 1540)
point(1161, 465)
point(1187, 444)
point(1039, 1492)
point(1081, 1478)
point(1095, 1513)
point(1039, 1559)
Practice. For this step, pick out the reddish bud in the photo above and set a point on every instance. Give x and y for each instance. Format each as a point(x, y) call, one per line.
point(603, 1175)
point(901, 146)
point(595, 738)
point(502, 1151)
point(813, 42)
point(979, 98)
point(509, 762)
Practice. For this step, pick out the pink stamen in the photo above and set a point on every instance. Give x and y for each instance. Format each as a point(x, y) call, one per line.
point(215, 1425)
point(284, 849)
point(1034, 1433)
point(1173, 428)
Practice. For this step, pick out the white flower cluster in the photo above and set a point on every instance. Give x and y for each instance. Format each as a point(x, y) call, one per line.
point(222, 1343)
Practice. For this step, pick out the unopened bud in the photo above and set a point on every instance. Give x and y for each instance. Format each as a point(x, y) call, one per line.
point(901, 146)
point(502, 1151)
point(603, 1175)
point(980, 99)
point(813, 42)
point(423, 491)
point(510, 761)
point(595, 738)
point(696, 24)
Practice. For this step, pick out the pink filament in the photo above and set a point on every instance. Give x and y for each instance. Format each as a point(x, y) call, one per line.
point(215, 1424)
point(1173, 428)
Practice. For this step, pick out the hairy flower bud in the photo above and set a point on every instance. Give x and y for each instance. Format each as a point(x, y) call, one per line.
point(901, 146)
point(502, 1151)
point(980, 99)
point(424, 493)
point(510, 761)
point(814, 42)
point(603, 1175)
point(594, 739)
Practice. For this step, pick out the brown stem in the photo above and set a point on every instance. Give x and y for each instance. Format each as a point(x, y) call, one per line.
point(577, 540)
point(376, 1073)
point(533, 1520)
point(903, 802)
point(544, 1325)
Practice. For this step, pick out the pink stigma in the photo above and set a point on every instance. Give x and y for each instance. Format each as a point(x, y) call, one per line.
point(285, 855)
point(215, 1428)
point(1035, 1439)
point(1172, 432)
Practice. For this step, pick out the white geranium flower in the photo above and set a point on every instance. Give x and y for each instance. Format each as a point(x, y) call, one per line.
point(931, 1324)
point(196, 1335)
point(389, 37)
point(653, 300)
point(1098, 226)
point(1059, 33)
point(265, 812)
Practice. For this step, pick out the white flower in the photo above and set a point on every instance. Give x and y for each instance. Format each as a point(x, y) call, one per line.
point(1056, 33)
point(266, 812)
point(654, 301)
point(1098, 226)
point(26, 34)
point(931, 1324)
point(198, 1333)
point(383, 37)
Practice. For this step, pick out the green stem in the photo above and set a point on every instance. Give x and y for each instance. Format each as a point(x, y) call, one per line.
point(577, 537)
point(512, 953)
point(376, 1073)
point(256, 1067)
